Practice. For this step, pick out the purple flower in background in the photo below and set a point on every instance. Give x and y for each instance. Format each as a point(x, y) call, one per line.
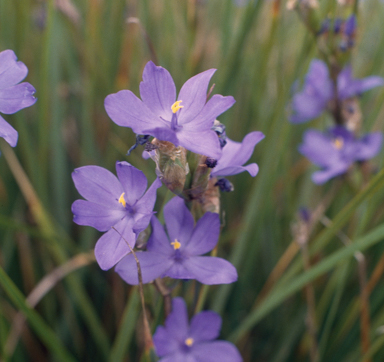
point(235, 154)
point(318, 90)
point(178, 255)
point(13, 96)
point(119, 202)
point(180, 341)
point(336, 150)
point(186, 121)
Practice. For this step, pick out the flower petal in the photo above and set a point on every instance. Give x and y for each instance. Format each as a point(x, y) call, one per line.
point(179, 221)
point(205, 326)
point(152, 265)
point(17, 97)
point(164, 343)
point(158, 242)
point(369, 146)
point(98, 185)
point(126, 110)
point(318, 148)
point(193, 95)
point(348, 87)
point(8, 132)
point(112, 246)
point(133, 181)
point(178, 271)
point(211, 270)
point(98, 216)
point(180, 356)
point(204, 143)
point(163, 134)
point(217, 105)
point(147, 202)
point(216, 351)
point(157, 90)
point(322, 176)
point(11, 71)
point(177, 322)
point(205, 235)
point(235, 154)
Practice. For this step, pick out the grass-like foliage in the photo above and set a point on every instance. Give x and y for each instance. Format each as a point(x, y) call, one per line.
point(309, 257)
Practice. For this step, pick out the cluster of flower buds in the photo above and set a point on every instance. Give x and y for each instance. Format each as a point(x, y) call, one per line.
point(192, 155)
point(329, 86)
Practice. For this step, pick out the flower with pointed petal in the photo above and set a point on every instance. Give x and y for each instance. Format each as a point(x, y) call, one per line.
point(318, 90)
point(336, 150)
point(235, 154)
point(179, 341)
point(186, 121)
point(178, 255)
point(118, 205)
point(13, 94)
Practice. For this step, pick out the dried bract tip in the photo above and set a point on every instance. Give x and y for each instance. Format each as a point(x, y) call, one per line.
point(171, 164)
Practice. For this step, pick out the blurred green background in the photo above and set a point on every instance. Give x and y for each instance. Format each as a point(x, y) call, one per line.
point(78, 52)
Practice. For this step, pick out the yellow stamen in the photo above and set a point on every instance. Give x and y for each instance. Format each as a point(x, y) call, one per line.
point(176, 244)
point(189, 341)
point(176, 106)
point(338, 143)
point(122, 200)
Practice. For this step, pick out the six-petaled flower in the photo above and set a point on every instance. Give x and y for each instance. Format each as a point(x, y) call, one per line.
point(13, 94)
point(179, 341)
point(318, 90)
point(186, 121)
point(179, 254)
point(336, 150)
point(119, 206)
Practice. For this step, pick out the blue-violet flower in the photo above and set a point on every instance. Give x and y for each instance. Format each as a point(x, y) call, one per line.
point(235, 154)
point(179, 341)
point(13, 94)
point(186, 121)
point(336, 150)
point(318, 90)
point(178, 255)
point(118, 205)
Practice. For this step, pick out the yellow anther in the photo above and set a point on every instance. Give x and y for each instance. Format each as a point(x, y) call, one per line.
point(176, 106)
point(122, 200)
point(176, 244)
point(338, 143)
point(189, 341)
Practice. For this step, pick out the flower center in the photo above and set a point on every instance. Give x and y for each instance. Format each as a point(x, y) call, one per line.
point(176, 106)
point(122, 200)
point(189, 341)
point(338, 142)
point(176, 244)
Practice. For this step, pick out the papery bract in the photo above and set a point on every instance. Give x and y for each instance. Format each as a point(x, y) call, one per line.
point(336, 150)
point(179, 341)
point(118, 205)
point(13, 94)
point(178, 254)
point(186, 121)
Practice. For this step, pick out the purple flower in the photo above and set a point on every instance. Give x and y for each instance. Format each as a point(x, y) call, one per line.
point(186, 122)
point(13, 96)
point(118, 202)
point(318, 90)
point(178, 254)
point(180, 341)
point(336, 150)
point(235, 154)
